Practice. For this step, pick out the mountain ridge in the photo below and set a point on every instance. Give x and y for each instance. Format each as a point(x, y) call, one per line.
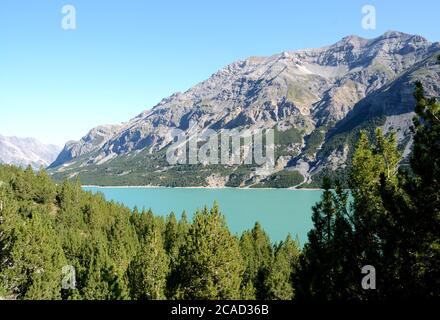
point(303, 93)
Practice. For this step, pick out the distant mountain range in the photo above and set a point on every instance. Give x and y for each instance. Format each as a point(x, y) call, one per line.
point(27, 151)
point(317, 100)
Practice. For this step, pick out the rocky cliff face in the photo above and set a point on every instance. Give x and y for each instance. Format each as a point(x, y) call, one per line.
point(27, 151)
point(310, 96)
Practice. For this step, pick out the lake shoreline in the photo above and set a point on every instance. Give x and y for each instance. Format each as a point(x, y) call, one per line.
point(208, 188)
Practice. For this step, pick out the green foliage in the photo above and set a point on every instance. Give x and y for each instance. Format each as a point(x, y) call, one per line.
point(46, 191)
point(148, 271)
point(174, 238)
point(121, 254)
point(314, 141)
point(282, 179)
point(257, 253)
point(287, 137)
point(324, 273)
point(47, 227)
point(347, 134)
point(339, 174)
point(285, 141)
point(279, 282)
point(210, 263)
point(37, 259)
point(239, 176)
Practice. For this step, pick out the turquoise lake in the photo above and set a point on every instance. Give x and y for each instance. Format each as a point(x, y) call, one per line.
point(280, 211)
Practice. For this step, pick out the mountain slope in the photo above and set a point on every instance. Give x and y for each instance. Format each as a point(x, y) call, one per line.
point(390, 107)
point(27, 151)
point(307, 96)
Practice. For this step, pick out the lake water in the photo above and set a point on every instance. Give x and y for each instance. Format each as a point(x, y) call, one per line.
point(280, 211)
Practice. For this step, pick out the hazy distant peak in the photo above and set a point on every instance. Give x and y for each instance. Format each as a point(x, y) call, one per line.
point(27, 151)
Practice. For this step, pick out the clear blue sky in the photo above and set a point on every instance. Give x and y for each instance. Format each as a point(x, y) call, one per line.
point(126, 55)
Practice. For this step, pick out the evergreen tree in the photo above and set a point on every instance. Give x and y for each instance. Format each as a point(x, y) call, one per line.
point(372, 165)
point(148, 271)
point(45, 189)
point(22, 184)
point(247, 248)
point(175, 235)
point(171, 234)
point(257, 253)
point(117, 285)
point(315, 276)
point(279, 282)
point(326, 265)
point(210, 263)
point(414, 205)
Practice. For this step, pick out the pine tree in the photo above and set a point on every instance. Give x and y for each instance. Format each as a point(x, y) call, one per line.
point(257, 253)
point(314, 278)
point(326, 264)
point(148, 271)
point(171, 234)
point(175, 235)
point(373, 165)
point(247, 248)
point(22, 184)
point(279, 282)
point(210, 263)
point(117, 286)
point(45, 189)
point(414, 205)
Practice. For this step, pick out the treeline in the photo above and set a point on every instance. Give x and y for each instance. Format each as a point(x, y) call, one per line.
point(117, 253)
point(390, 221)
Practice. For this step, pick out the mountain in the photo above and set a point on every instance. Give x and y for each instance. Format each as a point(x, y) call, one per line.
point(316, 100)
point(27, 151)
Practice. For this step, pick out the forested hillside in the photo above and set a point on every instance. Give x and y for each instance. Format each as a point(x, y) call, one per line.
point(123, 254)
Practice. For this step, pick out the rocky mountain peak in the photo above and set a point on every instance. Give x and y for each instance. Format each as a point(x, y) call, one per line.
point(353, 40)
point(393, 34)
